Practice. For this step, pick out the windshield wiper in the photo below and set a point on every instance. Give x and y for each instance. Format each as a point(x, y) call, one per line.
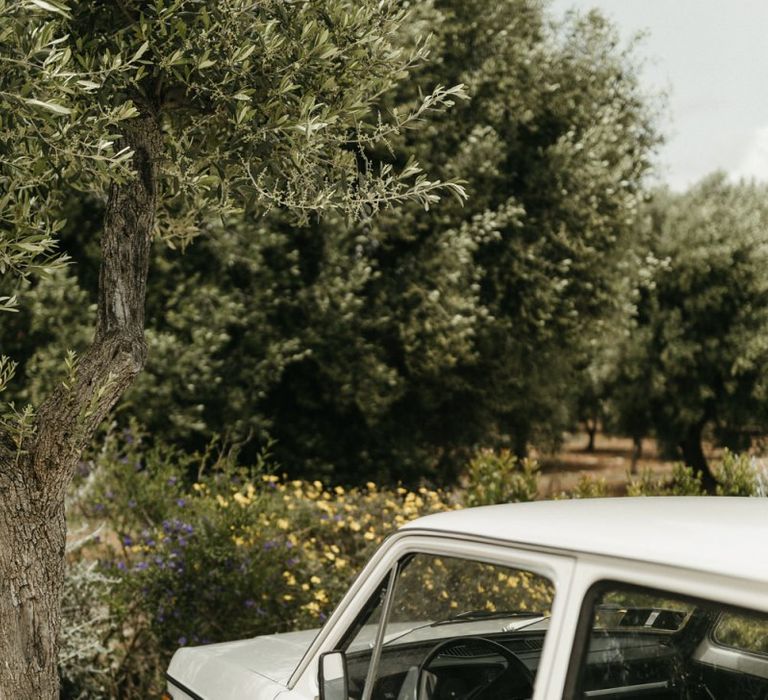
point(466, 616)
point(471, 615)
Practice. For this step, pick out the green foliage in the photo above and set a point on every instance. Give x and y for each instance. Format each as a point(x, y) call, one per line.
point(589, 487)
point(698, 358)
point(265, 107)
point(500, 477)
point(736, 475)
point(466, 324)
point(683, 482)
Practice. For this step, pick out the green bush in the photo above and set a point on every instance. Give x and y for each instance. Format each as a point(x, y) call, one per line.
point(736, 475)
point(500, 477)
point(589, 487)
point(683, 482)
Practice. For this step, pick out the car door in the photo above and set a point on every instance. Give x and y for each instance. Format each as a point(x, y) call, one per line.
point(486, 612)
point(662, 633)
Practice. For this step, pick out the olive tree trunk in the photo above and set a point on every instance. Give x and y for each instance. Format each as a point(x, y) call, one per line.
point(38, 462)
point(692, 451)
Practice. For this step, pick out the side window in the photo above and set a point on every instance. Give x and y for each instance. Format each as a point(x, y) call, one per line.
point(743, 633)
point(454, 628)
point(639, 642)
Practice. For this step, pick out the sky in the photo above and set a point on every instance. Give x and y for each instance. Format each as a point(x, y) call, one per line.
point(711, 58)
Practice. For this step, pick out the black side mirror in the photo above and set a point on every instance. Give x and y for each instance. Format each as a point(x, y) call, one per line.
point(333, 681)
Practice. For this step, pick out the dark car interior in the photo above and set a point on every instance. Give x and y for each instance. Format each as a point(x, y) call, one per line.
point(647, 653)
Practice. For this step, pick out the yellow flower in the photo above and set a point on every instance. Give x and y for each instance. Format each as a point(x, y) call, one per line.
point(240, 499)
point(315, 580)
point(239, 541)
point(223, 502)
point(283, 524)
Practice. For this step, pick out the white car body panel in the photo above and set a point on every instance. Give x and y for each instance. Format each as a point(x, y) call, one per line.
point(258, 668)
point(711, 548)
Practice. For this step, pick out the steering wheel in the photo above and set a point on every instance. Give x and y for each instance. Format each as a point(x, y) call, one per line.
point(513, 683)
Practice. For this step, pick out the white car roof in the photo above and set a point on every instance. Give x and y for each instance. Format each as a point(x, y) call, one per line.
point(719, 535)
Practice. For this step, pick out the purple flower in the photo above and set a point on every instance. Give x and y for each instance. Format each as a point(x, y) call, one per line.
point(181, 502)
point(132, 503)
point(172, 480)
point(127, 541)
point(141, 566)
point(182, 641)
point(249, 603)
point(121, 565)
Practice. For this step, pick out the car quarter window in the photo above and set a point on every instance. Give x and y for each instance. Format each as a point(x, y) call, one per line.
point(635, 642)
point(453, 628)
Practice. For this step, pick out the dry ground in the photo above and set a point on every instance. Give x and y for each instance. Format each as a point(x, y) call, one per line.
point(611, 460)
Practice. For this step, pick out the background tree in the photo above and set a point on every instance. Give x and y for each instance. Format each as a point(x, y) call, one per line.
point(179, 113)
point(392, 348)
point(698, 353)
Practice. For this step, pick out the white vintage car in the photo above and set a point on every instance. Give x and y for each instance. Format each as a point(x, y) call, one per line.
point(615, 598)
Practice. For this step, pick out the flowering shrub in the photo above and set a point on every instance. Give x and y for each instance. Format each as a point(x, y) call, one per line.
point(204, 551)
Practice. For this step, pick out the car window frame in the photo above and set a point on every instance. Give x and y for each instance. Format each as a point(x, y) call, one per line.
point(557, 567)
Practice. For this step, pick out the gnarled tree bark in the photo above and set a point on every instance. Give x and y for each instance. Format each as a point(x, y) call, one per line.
point(35, 469)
